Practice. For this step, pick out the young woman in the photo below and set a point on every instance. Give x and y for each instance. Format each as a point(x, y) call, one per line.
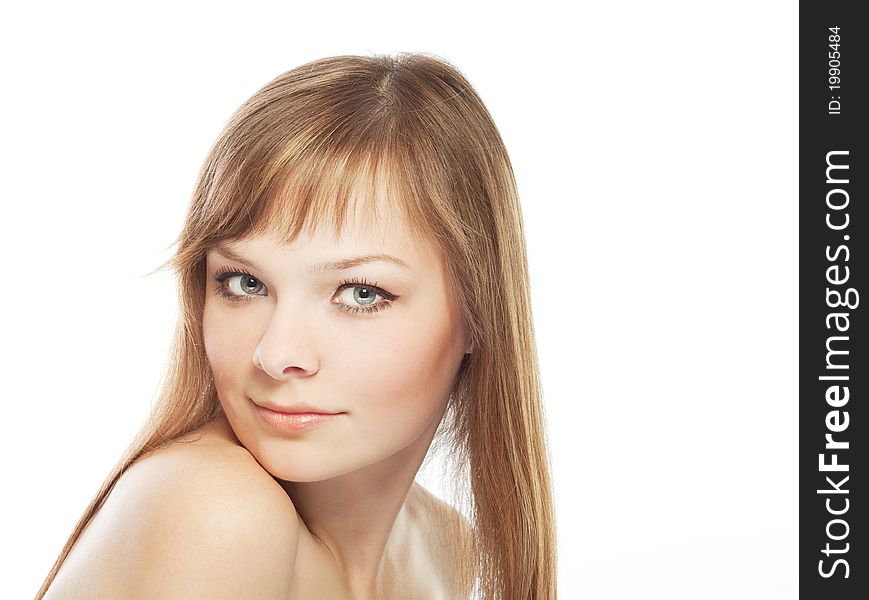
point(353, 285)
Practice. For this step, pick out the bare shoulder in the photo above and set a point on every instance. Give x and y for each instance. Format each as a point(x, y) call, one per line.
point(438, 517)
point(448, 539)
point(198, 518)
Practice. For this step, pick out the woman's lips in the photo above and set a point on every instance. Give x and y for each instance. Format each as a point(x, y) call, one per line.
point(297, 418)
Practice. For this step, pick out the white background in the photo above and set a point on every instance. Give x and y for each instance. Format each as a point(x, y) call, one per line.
point(655, 146)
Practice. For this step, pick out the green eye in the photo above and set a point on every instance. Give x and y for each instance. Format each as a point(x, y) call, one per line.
point(249, 285)
point(364, 295)
point(363, 298)
point(235, 285)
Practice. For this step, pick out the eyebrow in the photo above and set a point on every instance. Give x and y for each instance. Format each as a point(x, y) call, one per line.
point(337, 265)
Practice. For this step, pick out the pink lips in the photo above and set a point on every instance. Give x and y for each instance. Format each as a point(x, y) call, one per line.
point(294, 418)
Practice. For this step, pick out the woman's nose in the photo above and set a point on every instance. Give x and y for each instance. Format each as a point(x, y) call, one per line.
point(285, 349)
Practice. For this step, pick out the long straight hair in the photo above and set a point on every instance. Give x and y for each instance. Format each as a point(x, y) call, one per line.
point(289, 159)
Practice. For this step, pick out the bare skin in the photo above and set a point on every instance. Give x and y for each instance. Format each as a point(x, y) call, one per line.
point(200, 517)
point(417, 562)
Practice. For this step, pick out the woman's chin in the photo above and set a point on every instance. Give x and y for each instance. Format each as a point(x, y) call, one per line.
point(301, 471)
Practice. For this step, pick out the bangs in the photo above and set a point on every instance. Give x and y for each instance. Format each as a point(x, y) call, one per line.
point(318, 191)
point(299, 191)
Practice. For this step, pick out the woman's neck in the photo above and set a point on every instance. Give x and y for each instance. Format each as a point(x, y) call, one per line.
point(360, 518)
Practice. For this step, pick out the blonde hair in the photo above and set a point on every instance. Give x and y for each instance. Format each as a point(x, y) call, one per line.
point(289, 158)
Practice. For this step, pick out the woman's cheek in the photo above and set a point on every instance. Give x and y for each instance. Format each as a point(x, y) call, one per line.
point(228, 344)
point(410, 373)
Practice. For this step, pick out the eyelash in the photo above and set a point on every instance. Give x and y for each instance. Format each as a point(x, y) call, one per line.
point(225, 273)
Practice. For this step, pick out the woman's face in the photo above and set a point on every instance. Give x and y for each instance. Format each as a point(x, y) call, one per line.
point(295, 336)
